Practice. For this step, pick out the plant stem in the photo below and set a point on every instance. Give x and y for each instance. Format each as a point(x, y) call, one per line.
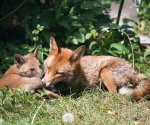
point(37, 111)
point(119, 12)
point(131, 48)
point(13, 10)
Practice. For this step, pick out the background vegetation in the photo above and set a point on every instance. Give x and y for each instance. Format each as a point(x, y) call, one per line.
point(27, 23)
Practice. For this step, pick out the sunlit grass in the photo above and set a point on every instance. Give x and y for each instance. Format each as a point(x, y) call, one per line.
point(92, 107)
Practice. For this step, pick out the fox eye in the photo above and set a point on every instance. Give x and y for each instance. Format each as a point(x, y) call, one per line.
point(60, 73)
point(32, 69)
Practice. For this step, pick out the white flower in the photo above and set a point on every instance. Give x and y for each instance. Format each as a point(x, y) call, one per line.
point(68, 117)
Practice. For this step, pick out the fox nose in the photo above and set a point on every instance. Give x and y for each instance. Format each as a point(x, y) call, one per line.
point(44, 84)
point(43, 75)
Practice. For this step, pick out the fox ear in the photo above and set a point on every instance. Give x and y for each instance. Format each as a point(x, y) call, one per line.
point(18, 59)
point(54, 48)
point(77, 54)
point(35, 51)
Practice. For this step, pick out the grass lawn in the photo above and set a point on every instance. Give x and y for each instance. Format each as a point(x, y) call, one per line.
point(92, 107)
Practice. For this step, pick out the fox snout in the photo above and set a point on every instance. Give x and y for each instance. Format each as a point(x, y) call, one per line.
point(41, 74)
point(51, 87)
point(46, 84)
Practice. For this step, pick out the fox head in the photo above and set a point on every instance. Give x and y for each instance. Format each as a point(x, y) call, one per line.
point(28, 65)
point(61, 63)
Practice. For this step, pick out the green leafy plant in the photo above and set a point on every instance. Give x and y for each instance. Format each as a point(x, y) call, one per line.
point(143, 18)
point(30, 23)
point(36, 32)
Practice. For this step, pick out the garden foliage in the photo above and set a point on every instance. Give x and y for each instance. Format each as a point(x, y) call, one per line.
point(27, 23)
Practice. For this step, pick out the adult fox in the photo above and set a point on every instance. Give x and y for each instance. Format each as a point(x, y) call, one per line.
point(25, 74)
point(79, 71)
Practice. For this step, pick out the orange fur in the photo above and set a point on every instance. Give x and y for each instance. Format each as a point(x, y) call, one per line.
point(109, 80)
point(80, 71)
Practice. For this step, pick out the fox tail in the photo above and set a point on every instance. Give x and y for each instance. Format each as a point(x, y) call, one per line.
point(140, 91)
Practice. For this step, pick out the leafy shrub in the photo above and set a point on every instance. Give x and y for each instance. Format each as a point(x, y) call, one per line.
point(143, 18)
point(30, 23)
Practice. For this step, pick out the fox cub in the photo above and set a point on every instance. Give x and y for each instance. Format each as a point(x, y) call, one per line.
point(78, 71)
point(25, 74)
